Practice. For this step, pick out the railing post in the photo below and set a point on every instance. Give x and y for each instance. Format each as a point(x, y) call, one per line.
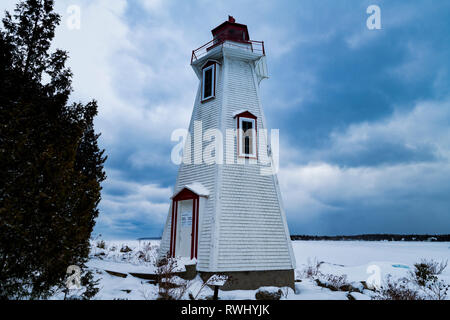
point(264, 52)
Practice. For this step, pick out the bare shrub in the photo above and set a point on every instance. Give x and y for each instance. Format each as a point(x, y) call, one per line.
point(422, 283)
point(400, 289)
point(171, 287)
point(427, 271)
point(210, 282)
point(101, 244)
point(330, 281)
point(333, 282)
point(436, 289)
point(425, 275)
point(312, 268)
point(148, 252)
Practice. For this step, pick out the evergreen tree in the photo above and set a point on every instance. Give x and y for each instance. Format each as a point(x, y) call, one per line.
point(51, 165)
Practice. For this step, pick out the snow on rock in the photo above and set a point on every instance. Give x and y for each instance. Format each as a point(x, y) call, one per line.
point(268, 293)
point(359, 296)
point(269, 289)
point(308, 290)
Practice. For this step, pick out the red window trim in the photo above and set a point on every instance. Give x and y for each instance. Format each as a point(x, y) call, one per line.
point(185, 194)
point(249, 115)
point(214, 64)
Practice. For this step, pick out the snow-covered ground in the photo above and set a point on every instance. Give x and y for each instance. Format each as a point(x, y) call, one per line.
point(354, 257)
point(356, 261)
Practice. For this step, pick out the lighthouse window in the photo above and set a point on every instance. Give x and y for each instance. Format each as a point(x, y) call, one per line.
point(208, 82)
point(247, 137)
point(247, 128)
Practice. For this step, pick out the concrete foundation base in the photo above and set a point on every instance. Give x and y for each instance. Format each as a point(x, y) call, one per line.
point(252, 280)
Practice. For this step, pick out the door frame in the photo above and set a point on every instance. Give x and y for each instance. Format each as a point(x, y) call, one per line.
point(185, 194)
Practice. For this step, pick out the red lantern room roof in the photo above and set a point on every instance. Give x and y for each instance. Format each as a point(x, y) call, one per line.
point(230, 30)
point(233, 32)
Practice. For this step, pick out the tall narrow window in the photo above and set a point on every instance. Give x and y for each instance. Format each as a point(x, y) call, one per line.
point(247, 127)
point(247, 135)
point(208, 89)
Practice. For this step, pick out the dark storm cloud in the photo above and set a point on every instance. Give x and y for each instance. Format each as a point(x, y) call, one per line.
point(363, 114)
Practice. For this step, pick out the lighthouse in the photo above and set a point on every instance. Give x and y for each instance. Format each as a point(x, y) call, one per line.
point(226, 213)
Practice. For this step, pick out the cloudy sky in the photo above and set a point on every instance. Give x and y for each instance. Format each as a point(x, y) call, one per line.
point(364, 115)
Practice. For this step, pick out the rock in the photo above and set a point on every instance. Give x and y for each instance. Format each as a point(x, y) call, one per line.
point(268, 293)
point(117, 274)
point(141, 255)
point(346, 287)
point(356, 287)
point(145, 276)
point(125, 249)
point(366, 286)
point(101, 244)
point(357, 296)
point(100, 255)
point(325, 285)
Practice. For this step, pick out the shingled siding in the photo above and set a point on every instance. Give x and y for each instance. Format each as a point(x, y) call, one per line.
point(242, 225)
point(251, 233)
point(209, 113)
point(164, 246)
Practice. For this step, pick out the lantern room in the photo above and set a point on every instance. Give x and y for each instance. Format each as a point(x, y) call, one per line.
point(232, 35)
point(230, 30)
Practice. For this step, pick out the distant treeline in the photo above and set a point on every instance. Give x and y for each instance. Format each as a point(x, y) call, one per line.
point(378, 237)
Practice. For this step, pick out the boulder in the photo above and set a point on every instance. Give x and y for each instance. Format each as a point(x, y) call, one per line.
point(268, 293)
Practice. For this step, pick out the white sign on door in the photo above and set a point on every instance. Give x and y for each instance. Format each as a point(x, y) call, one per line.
point(186, 218)
point(186, 213)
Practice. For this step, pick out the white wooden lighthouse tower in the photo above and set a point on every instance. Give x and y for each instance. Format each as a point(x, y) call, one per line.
point(228, 215)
